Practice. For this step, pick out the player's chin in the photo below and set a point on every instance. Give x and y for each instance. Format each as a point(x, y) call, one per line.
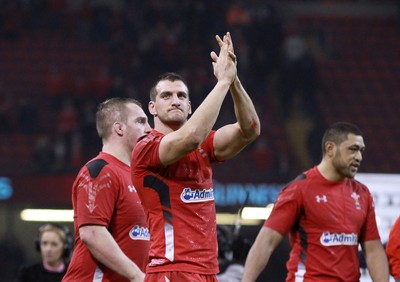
point(352, 172)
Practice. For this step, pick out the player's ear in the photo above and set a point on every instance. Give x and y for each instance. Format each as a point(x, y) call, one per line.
point(330, 148)
point(152, 108)
point(118, 127)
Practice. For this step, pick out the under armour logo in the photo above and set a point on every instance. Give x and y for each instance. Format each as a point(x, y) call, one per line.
point(322, 198)
point(131, 188)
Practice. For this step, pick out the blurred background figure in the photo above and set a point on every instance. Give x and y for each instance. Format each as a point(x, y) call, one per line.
point(393, 250)
point(232, 253)
point(55, 243)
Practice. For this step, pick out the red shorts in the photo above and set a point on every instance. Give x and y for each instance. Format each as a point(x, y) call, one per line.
point(175, 276)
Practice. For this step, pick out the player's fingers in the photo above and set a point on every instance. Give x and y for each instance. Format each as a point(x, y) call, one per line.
point(230, 43)
point(214, 56)
point(219, 40)
point(232, 56)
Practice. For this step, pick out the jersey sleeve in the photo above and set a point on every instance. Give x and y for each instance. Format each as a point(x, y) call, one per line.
point(208, 144)
point(286, 209)
point(145, 154)
point(370, 229)
point(96, 195)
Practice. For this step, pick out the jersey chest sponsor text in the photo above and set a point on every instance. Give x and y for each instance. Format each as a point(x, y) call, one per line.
point(189, 195)
point(139, 233)
point(337, 239)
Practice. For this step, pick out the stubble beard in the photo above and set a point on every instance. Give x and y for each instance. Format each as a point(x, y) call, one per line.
point(342, 168)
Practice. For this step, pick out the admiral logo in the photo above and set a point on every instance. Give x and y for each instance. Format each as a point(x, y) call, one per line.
point(335, 239)
point(139, 233)
point(194, 196)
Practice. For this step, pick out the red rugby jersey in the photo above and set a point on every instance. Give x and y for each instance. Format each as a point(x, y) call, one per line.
point(179, 204)
point(326, 221)
point(103, 194)
point(393, 249)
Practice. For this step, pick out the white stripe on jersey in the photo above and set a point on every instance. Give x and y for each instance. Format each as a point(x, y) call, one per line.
point(98, 275)
point(169, 241)
point(299, 275)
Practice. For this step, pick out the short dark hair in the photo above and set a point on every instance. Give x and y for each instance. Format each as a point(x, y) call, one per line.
point(171, 76)
point(338, 132)
point(110, 111)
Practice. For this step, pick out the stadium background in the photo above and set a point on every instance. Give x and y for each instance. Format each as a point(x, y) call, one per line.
point(306, 64)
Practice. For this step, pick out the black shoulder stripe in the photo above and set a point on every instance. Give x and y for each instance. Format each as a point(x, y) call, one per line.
point(298, 178)
point(95, 167)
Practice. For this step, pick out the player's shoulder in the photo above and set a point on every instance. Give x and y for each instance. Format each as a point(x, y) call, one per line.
point(299, 181)
point(152, 136)
point(358, 185)
point(100, 165)
point(95, 167)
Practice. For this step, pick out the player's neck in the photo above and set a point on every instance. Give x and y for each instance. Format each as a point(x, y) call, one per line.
point(119, 152)
point(329, 172)
point(165, 128)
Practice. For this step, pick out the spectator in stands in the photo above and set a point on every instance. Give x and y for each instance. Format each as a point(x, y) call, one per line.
point(67, 129)
point(298, 76)
point(27, 115)
point(263, 160)
point(43, 154)
point(5, 109)
point(57, 85)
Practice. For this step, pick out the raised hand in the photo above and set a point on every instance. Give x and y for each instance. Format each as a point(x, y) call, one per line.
point(230, 45)
point(224, 64)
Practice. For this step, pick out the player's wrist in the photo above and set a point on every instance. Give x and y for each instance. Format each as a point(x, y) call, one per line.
point(224, 82)
point(138, 276)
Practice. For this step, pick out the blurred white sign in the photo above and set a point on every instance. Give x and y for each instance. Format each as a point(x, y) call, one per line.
point(386, 191)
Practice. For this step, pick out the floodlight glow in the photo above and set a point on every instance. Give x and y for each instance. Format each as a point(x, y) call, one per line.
point(231, 219)
point(257, 212)
point(47, 215)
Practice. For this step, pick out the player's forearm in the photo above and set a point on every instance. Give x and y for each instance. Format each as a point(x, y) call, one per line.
point(378, 267)
point(253, 267)
point(266, 242)
point(110, 255)
point(203, 119)
point(376, 259)
point(245, 111)
point(256, 261)
point(103, 247)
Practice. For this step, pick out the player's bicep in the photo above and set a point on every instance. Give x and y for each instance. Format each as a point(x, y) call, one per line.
point(228, 141)
point(270, 238)
point(172, 147)
point(96, 198)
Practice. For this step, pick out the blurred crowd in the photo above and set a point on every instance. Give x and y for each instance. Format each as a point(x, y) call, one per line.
point(140, 40)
